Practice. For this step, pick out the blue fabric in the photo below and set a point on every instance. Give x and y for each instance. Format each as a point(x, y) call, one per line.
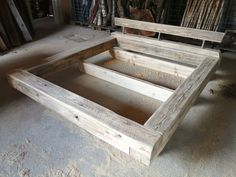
point(82, 10)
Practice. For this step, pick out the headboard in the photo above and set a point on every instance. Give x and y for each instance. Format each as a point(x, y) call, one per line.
point(193, 33)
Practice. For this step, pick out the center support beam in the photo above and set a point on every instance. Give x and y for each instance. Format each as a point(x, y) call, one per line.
point(152, 63)
point(143, 87)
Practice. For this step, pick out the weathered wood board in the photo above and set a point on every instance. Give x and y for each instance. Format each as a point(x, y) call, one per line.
point(142, 142)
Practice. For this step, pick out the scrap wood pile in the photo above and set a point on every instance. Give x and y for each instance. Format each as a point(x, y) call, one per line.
point(15, 24)
point(203, 14)
point(102, 12)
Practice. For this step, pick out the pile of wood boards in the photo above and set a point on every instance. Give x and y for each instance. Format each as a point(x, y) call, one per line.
point(15, 24)
point(203, 14)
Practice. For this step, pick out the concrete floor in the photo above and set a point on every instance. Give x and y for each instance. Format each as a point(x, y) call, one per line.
point(36, 142)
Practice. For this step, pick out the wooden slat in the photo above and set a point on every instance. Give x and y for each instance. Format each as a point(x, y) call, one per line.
point(19, 20)
point(172, 30)
point(67, 58)
point(124, 134)
point(169, 115)
point(131, 83)
point(151, 47)
point(152, 63)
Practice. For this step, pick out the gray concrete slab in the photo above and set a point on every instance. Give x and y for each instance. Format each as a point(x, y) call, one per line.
point(36, 142)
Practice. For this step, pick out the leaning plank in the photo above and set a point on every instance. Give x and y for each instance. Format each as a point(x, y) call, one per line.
point(131, 83)
point(167, 118)
point(152, 63)
point(124, 134)
point(19, 20)
point(10, 29)
point(2, 44)
point(172, 30)
point(66, 59)
point(3, 35)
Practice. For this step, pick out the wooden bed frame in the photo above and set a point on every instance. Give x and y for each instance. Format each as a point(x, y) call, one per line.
point(141, 142)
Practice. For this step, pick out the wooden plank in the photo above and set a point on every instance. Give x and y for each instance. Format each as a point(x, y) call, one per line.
point(152, 63)
point(131, 83)
point(68, 58)
point(172, 30)
point(3, 35)
point(124, 134)
point(2, 44)
point(8, 23)
point(180, 47)
point(26, 14)
point(169, 115)
point(148, 46)
point(19, 20)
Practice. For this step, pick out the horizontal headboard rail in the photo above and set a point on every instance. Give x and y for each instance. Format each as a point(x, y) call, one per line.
point(171, 30)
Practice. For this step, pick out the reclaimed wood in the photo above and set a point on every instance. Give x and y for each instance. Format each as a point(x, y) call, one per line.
point(8, 23)
point(19, 20)
point(126, 135)
point(172, 30)
point(137, 44)
point(143, 87)
point(180, 47)
point(170, 114)
point(152, 63)
point(2, 44)
point(67, 58)
point(203, 14)
point(25, 12)
point(4, 37)
point(142, 142)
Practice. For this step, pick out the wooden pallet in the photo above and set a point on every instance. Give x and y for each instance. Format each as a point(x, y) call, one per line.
point(141, 142)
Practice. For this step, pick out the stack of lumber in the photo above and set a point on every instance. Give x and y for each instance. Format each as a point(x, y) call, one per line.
point(15, 24)
point(203, 14)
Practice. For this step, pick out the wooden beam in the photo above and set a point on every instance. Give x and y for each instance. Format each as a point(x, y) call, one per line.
point(151, 47)
point(68, 58)
point(169, 115)
point(169, 44)
point(152, 63)
point(131, 83)
point(177, 50)
point(172, 30)
point(124, 134)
